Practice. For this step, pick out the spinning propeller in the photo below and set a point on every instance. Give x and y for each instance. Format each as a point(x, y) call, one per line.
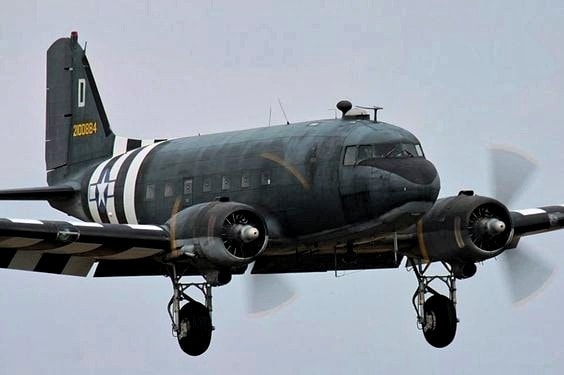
point(525, 273)
point(267, 293)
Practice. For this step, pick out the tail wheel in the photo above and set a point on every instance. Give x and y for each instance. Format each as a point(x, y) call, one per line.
point(439, 325)
point(195, 328)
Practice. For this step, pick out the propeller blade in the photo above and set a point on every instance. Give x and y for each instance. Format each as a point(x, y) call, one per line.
point(525, 274)
point(510, 170)
point(266, 293)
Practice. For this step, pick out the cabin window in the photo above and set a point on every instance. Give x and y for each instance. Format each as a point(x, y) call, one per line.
point(350, 155)
point(207, 185)
point(187, 189)
point(245, 180)
point(188, 183)
point(150, 192)
point(265, 178)
point(168, 190)
point(225, 183)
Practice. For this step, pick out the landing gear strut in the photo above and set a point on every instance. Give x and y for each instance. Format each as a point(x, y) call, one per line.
point(191, 323)
point(436, 316)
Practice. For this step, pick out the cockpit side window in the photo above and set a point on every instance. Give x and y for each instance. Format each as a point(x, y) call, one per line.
point(384, 150)
point(350, 155)
point(419, 150)
point(398, 150)
point(408, 149)
point(356, 154)
point(365, 152)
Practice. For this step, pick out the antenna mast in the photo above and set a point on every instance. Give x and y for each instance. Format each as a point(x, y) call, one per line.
point(269, 115)
point(283, 112)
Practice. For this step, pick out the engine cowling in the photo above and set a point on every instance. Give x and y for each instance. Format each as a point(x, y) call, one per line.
point(465, 229)
point(225, 233)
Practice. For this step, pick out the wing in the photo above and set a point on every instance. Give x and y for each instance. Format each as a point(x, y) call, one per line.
point(537, 220)
point(72, 248)
point(379, 251)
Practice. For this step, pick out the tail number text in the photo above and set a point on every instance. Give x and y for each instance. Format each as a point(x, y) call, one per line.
point(85, 128)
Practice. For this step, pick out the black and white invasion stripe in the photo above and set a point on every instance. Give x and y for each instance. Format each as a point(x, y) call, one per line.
point(123, 144)
point(111, 188)
point(71, 248)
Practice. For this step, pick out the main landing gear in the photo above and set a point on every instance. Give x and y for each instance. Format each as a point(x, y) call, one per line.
point(436, 315)
point(191, 323)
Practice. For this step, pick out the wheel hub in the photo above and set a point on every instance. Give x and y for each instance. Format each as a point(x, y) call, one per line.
point(430, 322)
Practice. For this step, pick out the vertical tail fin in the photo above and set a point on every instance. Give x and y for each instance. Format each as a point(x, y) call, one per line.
point(78, 130)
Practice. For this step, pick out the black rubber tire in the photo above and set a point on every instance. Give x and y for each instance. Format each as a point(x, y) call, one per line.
point(197, 320)
point(439, 326)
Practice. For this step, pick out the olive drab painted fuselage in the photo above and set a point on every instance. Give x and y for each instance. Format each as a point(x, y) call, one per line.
point(297, 175)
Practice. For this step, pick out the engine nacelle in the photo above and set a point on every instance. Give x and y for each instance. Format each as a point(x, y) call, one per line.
point(464, 229)
point(225, 233)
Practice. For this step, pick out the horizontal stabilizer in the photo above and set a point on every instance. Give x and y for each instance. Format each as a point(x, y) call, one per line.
point(38, 193)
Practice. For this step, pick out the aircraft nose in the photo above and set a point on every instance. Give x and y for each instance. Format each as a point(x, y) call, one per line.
point(419, 171)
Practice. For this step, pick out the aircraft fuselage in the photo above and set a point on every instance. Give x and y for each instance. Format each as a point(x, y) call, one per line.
point(298, 175)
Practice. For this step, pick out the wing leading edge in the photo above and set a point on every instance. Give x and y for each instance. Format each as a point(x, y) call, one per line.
point(538, 220)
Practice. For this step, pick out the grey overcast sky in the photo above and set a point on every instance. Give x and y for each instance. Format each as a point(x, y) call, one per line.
point(461, 75)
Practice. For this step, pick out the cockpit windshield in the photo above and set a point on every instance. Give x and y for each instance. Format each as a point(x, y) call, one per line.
point(356, 154)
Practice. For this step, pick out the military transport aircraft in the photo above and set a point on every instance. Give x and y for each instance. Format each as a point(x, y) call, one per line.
point(324, 195)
